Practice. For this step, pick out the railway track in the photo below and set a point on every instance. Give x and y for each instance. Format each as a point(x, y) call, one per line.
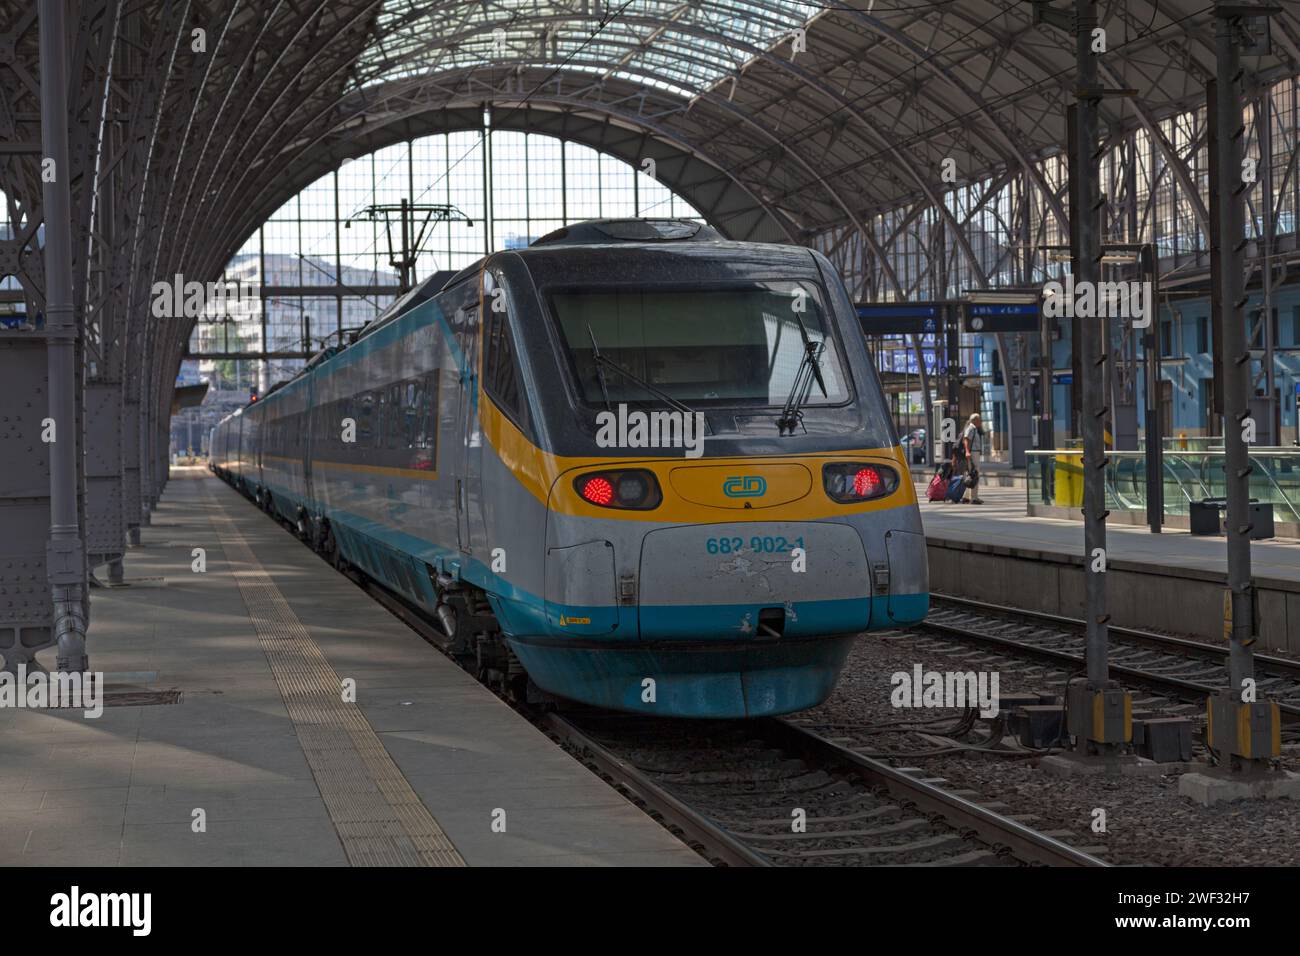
point(1181, 668)
point(772, 793)
point(730, 788)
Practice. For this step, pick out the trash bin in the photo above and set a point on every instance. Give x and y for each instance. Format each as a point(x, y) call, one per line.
point(1261, 520)
point(1204, 515)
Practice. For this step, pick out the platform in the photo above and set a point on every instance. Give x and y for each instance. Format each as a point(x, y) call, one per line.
point(260, 739)
point(1171, 581)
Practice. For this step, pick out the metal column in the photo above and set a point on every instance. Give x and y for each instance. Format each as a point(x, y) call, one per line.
point(1242, 729)
point(65, 552)
point(952, 348)
point(1230, 224)
point(1148, 269)
point(1089, 345)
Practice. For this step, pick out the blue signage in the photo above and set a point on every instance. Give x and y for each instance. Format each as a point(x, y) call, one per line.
point(903, 360)
point(900, 318)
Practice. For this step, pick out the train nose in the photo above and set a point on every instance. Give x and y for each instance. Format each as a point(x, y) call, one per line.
point(788, 579)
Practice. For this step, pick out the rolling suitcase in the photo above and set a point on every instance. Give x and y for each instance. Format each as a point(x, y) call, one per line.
point(938, 489)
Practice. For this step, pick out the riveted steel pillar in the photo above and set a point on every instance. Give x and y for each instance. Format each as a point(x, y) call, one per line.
point(1090, 345)
point(65, 552)
point(1230, 223)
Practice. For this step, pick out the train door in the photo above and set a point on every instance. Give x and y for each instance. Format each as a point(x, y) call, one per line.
point(469, 438)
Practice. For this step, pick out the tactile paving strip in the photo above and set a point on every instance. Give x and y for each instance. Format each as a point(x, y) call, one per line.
point(379, 818)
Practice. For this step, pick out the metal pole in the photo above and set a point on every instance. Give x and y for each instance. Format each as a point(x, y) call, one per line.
point(1236, 357)
point(1089, 344)
point(487, 179)
point(405, 278)
point(65, 552)
point(952, 336)
point(1264, 123)
point(1148, 263)
point(927, 405)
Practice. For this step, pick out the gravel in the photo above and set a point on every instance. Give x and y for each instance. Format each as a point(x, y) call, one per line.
point(1146, 820)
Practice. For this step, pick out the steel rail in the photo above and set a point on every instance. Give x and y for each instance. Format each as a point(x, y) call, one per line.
point(1024, 842)
point(1194, 688)
point(718, 843)
point(1136, 635)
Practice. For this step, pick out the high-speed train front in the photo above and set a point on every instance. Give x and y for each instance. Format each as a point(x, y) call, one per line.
point(698, 500)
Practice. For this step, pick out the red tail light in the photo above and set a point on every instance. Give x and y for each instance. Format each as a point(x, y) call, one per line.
point(866, 482)
point(851, 482)
point(634, 488)
point(597, 490)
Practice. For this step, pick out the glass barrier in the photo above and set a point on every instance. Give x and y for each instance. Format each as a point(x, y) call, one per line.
point(1180, 443)
point(1189, 443)
point(1056, 478)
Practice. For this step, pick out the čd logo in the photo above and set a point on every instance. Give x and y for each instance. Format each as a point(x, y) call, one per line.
point(745, 486)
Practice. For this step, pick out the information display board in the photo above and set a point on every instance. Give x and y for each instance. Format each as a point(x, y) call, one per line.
point(1001, 317)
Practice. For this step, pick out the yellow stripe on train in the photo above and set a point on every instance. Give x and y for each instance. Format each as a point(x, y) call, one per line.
point(538, 470)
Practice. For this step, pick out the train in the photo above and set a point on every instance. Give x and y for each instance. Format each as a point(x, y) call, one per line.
point(634, 465)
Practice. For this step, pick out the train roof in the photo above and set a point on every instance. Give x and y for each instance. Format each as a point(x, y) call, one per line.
point(608, 231)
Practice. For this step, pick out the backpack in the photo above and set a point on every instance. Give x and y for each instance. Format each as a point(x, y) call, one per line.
point(956, 487)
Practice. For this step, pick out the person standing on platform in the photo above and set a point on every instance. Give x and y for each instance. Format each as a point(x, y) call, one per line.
point(965, 458)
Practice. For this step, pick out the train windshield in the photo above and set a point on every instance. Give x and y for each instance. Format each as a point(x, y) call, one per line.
point(734, 345)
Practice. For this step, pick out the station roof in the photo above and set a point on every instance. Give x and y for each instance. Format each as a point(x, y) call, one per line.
point(768, 141)
point(777, 119)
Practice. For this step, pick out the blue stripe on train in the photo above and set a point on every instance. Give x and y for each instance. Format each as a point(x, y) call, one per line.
point(720, 681)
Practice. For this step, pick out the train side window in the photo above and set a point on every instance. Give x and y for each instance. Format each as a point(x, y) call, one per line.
point(396, 416)
point(411, 415)
point(500, 369)
point(365, 418)
point(429, 413)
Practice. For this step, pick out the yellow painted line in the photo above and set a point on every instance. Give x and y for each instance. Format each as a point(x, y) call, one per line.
point(379, 818)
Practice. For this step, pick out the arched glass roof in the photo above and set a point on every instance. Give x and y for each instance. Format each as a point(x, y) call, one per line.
point(681, 46)
point(315, 269)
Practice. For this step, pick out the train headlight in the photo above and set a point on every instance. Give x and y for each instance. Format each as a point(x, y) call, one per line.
point(851, 482)
point(634, 488)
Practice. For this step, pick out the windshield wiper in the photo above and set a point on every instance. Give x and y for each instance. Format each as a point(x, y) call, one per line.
point(600, 371)
point(601, 360)
point(810, 370)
